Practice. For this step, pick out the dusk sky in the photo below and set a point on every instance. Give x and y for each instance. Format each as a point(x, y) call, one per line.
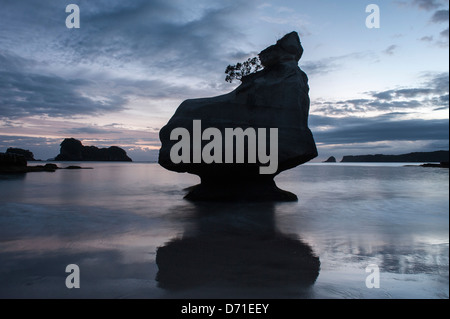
point(119, 78)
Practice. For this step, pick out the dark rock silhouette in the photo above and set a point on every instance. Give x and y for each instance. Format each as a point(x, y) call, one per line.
point(51, 166)
point(29, 156)
point(12, 163)
point(437, 156)
point(331, 159)
point(276, 97)
point(441, 165)
point(17, 164)
point(73, 150)
point(232, 250)
point(42, 168)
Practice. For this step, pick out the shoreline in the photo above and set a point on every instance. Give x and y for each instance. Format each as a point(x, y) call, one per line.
point(38, 168)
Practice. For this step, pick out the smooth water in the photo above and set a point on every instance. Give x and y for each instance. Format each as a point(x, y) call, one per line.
point(128, 228)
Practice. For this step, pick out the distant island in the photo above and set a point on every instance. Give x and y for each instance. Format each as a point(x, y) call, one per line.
point(418, 157)
point(331, 159)
point(73, 150)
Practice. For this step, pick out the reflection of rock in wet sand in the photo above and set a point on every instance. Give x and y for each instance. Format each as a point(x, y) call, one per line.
point(236, 249)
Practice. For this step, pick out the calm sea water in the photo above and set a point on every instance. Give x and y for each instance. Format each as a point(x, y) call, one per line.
point(128, 228)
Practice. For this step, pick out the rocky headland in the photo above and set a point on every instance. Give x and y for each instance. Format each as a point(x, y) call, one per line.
point(417, 157)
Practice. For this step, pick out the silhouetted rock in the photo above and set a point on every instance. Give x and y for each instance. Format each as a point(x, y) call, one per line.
point(77, 167)
point(250, 190)
point(25, 153)
point(73, 150)
point(51, 166)
point(438, 156)
point(441, 165)
point(9, 159)
point(42, 168)
point(331, 159)
point(276, 97)
point(12, 163)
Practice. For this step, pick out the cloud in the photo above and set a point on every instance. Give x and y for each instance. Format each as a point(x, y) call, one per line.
point(161, 36)
point(27, 94)
point(24, 92)
point(426, 38)
point(390, 50)
point(441, 103)
point(399, 93)
point(170, 38)
point(320, 66)
point(10, 62)
point(19, 141)
point(341, 125)
point(331, 64)
point(362, 106)
point(436, 84)
point(154, 89)
point(440, 16)
point(293, 20)
point(42, 147)
point(287, 16)
point(90, 130)
point(427, 4)
point(432, 95)
point(375, 129)
point(123, 52)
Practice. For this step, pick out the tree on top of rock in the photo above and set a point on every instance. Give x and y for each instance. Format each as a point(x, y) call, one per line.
point(239, 70)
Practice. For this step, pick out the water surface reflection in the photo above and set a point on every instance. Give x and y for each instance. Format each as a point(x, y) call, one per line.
point(231, 251)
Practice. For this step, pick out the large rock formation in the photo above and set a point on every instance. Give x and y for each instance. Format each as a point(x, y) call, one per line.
point(276, 97)
point(73, 150)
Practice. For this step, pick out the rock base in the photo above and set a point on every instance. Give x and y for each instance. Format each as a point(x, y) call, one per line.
point(253, 191)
